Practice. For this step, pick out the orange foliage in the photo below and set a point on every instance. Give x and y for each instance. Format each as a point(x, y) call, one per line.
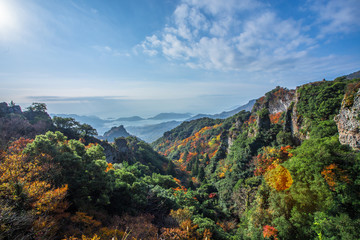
point(207, 234)
point(177, 181)
point(199, 140)
point(91, 145)
point(270, 232)
point(251, 120)
point(264, 162)
point(22, 183)
point(212, 154)
point(182, 188)
point(332, 174)
point(227, 225)
point(274, 118)
point(109, 167)
point(181, 158)
point(261, 100)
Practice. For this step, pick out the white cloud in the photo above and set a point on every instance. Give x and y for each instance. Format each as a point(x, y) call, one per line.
point(337, 16)
point(209, 34)
point(216, 7)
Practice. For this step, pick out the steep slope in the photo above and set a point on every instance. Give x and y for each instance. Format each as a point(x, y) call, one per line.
point(199, 143)
point(132, 150)
point(348, 119)
point(281, 167)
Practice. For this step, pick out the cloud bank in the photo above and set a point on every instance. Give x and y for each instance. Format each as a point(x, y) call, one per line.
point(248, 35)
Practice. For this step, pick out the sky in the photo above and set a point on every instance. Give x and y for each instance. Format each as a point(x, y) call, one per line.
point(143, 57)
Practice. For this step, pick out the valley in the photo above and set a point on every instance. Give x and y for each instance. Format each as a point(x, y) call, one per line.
point(286, 169)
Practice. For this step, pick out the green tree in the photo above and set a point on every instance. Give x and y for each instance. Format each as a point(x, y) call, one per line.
point(82, 168)
point(201, 174)
point(37, 107)
point(171, 168)
point(87, 130)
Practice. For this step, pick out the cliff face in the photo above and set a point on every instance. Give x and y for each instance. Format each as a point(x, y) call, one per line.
point(294, 121)
point(118, 152)
point(276, 101)
point(348, 119)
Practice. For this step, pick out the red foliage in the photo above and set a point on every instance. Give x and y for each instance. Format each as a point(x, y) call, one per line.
point(251, 120)
point(199, 145)
point(264, 162)
point(212, 195)
point(274, 118)
point(270, 232)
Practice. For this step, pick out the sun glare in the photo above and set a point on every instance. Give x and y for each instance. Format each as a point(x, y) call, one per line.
point(7, 18)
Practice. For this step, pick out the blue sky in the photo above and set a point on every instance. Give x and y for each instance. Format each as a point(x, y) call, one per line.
point(143, 57)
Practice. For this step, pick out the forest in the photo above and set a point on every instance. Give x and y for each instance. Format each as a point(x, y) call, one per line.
point(288, 169)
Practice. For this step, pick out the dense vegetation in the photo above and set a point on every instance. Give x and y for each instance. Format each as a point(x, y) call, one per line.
point(250, 176)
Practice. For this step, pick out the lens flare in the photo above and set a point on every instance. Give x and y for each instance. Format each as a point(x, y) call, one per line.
point(8, 20)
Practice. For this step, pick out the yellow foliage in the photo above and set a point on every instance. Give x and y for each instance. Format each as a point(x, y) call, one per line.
point(279, 178)
point(218, 137)
point(21, 181)
point(181, 215)
point(95, 237)
point(84, 219)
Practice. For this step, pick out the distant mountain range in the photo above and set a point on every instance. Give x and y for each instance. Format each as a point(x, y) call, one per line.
point(130, 119)
point(168, 116)
point(226, 114)
point(150, 133)
point(353, 75)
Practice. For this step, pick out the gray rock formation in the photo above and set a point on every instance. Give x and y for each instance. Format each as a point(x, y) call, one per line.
point(348, 122)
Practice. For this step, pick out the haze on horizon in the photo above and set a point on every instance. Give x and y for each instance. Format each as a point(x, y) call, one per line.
point(143, 57)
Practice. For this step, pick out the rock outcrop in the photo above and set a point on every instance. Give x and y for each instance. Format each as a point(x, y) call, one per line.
point(294, 121)
point(348, 119)
point(6, 109)
point(277, 100)
point(115, 132)
point(15, 124)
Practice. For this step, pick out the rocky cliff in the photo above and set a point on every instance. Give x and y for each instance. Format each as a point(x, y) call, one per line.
point(277, 100)
point(348, 119)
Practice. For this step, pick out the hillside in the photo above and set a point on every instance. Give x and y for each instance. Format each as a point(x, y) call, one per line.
point(287, 169)
point(14, 123)
point(257, 161)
